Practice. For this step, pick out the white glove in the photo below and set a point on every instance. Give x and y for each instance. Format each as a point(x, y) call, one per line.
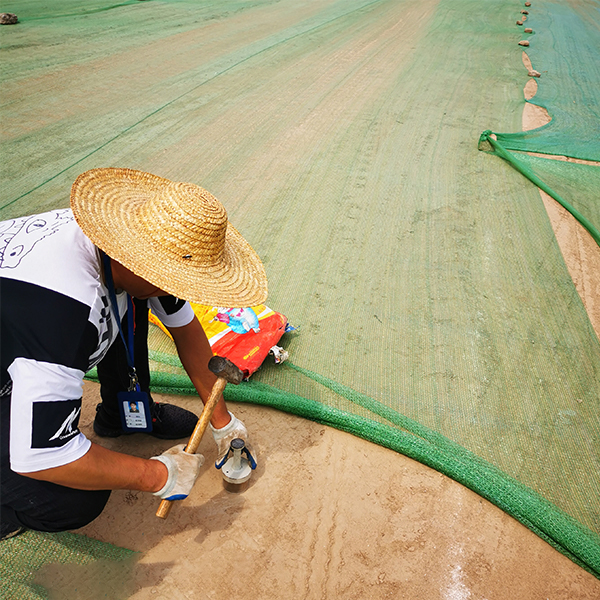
point(224, 436)
point(183, 471)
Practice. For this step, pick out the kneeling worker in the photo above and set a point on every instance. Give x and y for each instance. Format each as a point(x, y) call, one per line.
point(75, 284)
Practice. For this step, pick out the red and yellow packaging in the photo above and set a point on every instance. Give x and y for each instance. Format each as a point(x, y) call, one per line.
point(243, 335)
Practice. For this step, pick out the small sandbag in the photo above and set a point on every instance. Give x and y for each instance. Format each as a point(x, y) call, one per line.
point(8, 19)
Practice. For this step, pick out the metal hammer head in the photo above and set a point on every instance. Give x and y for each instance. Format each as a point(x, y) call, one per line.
point(225, 369)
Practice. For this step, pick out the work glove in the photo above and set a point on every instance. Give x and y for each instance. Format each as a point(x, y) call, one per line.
point(224, 436)
point(183, 471)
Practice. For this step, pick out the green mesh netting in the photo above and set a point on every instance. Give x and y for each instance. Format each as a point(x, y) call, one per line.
point(25, 572)
point(435, 312)
point(564, 48)
point(581, 181)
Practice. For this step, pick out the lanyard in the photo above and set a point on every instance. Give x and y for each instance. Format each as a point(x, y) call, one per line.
point(133, 378)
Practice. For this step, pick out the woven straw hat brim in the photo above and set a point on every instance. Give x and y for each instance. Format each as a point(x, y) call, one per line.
point(174, 235)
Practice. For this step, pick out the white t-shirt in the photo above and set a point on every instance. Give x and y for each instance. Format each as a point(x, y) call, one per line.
point(56, 324)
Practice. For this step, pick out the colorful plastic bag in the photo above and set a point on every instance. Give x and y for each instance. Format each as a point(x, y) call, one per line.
point(243, 335)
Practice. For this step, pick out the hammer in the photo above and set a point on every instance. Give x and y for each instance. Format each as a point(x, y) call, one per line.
point(226, 372)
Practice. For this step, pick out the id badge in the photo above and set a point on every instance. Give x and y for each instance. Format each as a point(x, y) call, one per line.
point(135, 412)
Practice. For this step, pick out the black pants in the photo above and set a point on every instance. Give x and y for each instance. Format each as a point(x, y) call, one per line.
point(45, 506)
point(40, 505)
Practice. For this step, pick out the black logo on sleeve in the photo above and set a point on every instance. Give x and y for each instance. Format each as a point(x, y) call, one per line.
point(55, 423)
point(170, 304)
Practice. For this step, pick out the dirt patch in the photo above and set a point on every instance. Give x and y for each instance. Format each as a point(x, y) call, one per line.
point(533, 116)
point(327, 515)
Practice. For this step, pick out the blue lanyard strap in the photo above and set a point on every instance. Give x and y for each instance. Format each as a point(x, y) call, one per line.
point(133, 378)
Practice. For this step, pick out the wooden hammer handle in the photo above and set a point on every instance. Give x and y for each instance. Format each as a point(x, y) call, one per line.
point(196, 437)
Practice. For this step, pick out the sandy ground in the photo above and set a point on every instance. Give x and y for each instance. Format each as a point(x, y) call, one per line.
point(328, 515)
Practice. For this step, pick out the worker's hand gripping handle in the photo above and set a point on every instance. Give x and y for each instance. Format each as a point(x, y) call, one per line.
point(226, 372)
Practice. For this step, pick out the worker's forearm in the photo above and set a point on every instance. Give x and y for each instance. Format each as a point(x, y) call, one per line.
point(194, 352)
point(103, 469)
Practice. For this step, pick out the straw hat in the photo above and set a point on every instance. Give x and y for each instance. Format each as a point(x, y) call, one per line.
point(174, 235)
